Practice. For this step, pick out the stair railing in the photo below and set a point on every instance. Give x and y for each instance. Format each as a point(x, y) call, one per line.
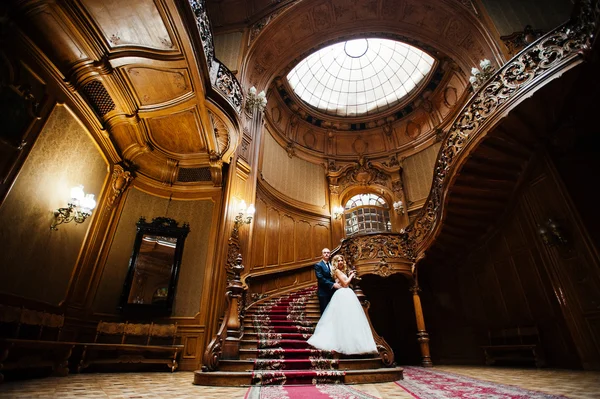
point(226, 343)
point(547, 58)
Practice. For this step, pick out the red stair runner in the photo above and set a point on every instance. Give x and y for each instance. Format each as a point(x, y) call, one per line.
point(283, 355)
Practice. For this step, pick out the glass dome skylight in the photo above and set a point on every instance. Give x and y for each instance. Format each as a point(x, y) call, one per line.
point(359, 77)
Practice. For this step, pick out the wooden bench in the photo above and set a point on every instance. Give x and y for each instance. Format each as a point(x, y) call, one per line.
point(30, 339)
point(128, 343)
point(515, 345)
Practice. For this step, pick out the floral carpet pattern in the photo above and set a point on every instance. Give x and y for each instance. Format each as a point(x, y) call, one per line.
point(329, 391)
point(425, 383)
point(283, 355)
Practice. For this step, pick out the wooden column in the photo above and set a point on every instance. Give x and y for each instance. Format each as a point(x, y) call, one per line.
point(422, 335)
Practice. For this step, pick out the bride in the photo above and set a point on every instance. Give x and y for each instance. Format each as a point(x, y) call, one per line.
point(343, 327)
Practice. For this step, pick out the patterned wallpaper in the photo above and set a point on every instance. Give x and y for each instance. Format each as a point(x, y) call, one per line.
point(36, 262)
point(191, 276)
point(293, 177)
point(227, 49)
point(418, 173)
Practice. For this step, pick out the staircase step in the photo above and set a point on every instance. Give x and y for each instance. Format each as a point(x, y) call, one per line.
point(278, 353)
point(343, 364)
point(275, 343)
point(279, 329)
point(244, 378)
point(280, 322)
point(274, 350)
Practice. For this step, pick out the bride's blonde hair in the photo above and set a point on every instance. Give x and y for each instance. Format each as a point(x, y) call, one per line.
point(334, 264)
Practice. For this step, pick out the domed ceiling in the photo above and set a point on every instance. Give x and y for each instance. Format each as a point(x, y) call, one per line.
point(358, 77)
point(345, 79)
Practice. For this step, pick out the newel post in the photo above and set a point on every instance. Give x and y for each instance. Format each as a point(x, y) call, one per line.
point(235, 290)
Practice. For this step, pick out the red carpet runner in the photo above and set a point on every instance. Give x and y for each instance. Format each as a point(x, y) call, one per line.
point(338, 391)
point(283, 355)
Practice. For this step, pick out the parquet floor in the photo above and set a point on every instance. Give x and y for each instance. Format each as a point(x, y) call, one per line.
point(572, 384)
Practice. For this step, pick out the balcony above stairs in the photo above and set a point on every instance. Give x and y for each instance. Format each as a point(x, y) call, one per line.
point(273, 350)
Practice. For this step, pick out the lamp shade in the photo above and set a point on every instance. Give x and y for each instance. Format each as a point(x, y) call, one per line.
point(77, 193)
point(88, 202)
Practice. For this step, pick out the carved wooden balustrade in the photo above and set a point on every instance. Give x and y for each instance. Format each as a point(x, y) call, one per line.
point(536, 65)
point(222, 80)
point(381, 254)
point(225, 344)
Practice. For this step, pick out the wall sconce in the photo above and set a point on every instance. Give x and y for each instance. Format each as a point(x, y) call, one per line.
point(78, 209)
point(338, 211)
point(551, 233)
point(399, 207)
point(245, 214)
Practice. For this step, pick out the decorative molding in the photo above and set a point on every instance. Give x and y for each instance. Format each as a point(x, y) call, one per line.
point(121, 178)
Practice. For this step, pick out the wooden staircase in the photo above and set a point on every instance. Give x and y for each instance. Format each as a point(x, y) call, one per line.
point(273, 350)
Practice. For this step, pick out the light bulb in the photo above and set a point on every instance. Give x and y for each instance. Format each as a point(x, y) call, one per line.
point(250, 211)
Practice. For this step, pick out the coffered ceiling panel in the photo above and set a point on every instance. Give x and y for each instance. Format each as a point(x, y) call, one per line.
point(134, 22)
point(174, 83)
point(178, 133)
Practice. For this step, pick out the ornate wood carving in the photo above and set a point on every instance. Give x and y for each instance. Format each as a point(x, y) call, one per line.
point(538, 63)
point(385, 253)
point(121, 178)
point(516, 41)
point(225, 344)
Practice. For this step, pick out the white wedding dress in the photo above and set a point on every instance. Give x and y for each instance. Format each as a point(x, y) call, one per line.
point(343, 327)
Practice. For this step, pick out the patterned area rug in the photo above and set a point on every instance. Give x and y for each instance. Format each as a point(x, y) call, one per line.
point(432, 384)
point(330, 391)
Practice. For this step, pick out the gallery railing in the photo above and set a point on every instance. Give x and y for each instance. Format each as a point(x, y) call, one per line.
point(221, 78)
point(536, 65)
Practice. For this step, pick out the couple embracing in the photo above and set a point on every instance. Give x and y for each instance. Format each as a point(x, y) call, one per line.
point(343, 326)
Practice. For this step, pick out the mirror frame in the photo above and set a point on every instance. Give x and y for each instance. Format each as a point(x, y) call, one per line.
point(164, 227)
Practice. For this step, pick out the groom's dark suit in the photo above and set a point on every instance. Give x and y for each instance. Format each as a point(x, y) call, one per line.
point(325, 284)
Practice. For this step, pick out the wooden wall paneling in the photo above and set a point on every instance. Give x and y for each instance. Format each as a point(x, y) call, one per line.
point(492, 295)
point(192, 338)
point(573, 267)
point(272, 237)
point(303, 232)
point(288, 240)
point(473, 306)
point(259, 234)
point(321, 238)
point(515, 302)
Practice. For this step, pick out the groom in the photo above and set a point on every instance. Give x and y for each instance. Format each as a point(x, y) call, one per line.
point(326, 283)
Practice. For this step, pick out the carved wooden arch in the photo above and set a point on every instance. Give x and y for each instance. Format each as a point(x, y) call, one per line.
point(443, 25)
point(365, 176)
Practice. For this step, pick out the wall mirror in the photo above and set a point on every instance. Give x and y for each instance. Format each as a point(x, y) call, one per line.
point(149, 287)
